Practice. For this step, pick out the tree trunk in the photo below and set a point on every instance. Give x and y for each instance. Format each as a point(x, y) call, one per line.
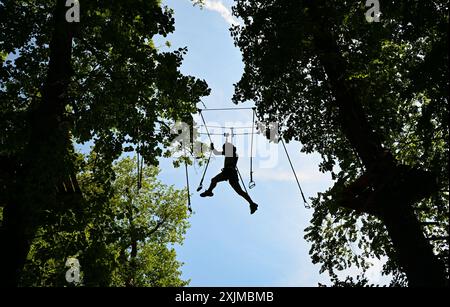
point(421, 266)
point(396, 187)
point(45, 164)
point(131, 278)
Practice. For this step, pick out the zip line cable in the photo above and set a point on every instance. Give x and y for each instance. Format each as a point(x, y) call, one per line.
point(227, 134)
point(224, 127)
point(305, 203)
point(226, 109)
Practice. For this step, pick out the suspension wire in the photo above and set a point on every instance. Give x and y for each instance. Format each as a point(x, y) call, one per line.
point(252, 184)
point(242, 180)
point(204, 105)
point(225, 127)
point(140, 166)
point(204, 123)
point(187, 181)
point(305, 203)
point(200, 186)
point(226, 109)
point(138, 170)
point(225, 134)
point(141, 172)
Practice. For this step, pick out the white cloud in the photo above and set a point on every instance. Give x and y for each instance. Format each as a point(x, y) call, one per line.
point(219, 7)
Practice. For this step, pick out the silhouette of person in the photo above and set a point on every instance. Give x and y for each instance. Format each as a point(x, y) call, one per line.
point(229, 172)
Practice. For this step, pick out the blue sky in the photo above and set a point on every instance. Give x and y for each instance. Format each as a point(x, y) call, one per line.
point(226, 246)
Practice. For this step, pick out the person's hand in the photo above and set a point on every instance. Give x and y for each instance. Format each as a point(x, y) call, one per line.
point(212, 146)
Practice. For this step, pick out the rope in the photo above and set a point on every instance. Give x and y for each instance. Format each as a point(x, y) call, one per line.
point(188, 189)
point(242, 180)
point(204, 123)
point(187, 181)
point(140, 166)
point(305, 203)
point(138, 170)
point(200, 186)
point(141, 172)
point(252, 184)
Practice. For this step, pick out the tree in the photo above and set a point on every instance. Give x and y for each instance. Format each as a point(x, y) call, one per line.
point(123, 241)
point(371, 98)
point(100, 80)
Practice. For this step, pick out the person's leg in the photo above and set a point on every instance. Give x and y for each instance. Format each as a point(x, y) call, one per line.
point(237, 187)
point(221, 177)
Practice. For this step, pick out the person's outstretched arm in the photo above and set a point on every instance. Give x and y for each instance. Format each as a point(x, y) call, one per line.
point(215, 151)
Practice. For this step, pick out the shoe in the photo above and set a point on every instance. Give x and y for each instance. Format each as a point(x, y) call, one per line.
point(207, 194)
point(253, 208)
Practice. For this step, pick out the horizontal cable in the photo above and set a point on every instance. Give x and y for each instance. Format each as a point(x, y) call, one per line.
point(224, 134)
point(225, 109)
point(224, 127)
